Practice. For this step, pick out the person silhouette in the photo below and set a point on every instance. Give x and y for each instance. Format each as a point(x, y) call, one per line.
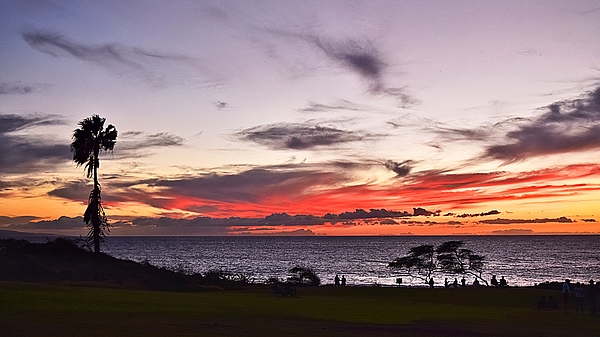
point(494, 281)
point(455, 283)
point(431, 282)
point(579, 295)
point(566, 292)
point(593, 293)
point(446, 283)
point(336, 281)
point(343, 281)
point(463, 282)
point(503, 282)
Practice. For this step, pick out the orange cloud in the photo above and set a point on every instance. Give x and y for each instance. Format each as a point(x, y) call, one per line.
point(262, 192)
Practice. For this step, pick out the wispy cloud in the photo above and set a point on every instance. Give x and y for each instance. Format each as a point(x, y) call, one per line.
point(19, 88)
point(566, 126)
point(153, 67)
point(135, 144)
point(362, 58)
point(77, 191)
point(359, 56)
point(256, 185)
point(450, 134)
point(344, 105)
point(255, 191)
point(12, 123)
point(403, 96)
point(302, 136)
point(22, 154)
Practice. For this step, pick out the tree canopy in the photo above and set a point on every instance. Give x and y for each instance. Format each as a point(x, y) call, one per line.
point(303, 275)
point(420, 262)
point(450, 257)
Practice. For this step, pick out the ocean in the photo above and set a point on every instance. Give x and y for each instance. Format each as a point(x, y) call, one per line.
point(522, 260)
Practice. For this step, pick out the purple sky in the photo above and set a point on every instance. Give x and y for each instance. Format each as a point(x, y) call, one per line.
point(248, 108)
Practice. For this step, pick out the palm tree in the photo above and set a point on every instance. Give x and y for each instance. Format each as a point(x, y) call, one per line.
point(88, 141)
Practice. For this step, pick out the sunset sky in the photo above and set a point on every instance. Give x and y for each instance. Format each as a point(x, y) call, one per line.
point(304, 117)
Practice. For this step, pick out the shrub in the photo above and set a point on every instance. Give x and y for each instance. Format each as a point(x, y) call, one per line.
point(304, 275)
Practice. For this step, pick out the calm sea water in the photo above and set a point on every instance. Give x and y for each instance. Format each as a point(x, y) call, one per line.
point(522, 260)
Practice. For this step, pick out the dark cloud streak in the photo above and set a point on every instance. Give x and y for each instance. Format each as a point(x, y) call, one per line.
point(472, 215)
point(500, 221)
point(23, 154)
point(401, 169)
point(566, 126)
point(361, 57)
point(154, 68)
point(301, 136)
point(139, 140)
point(18, 88)
point(247, 186)
point(136, 144)
point(341, 105)
point(273, 223)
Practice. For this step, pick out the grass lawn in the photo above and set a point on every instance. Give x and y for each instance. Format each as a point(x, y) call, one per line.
point(52, 310)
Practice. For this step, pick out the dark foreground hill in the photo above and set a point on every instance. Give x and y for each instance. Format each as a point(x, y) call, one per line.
point(62, 261)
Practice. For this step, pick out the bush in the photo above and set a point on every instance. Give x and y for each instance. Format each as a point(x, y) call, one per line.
point(217, 276)
point(273, 280)
point(304, 275)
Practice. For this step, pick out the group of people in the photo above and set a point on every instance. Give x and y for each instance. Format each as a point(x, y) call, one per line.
point(454, 284)
point(502, 283)
point(463, 282)
point(339, 282)
point(592, 291)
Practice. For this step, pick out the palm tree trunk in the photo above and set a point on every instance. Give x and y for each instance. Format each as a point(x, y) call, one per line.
point(96, 201)
point(96, 221)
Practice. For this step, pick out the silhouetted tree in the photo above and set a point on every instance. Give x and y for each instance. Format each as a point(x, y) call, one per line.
point(452, 258)
point(419, 263)
point(423, 261)
point(89, 140)
point(304, 275)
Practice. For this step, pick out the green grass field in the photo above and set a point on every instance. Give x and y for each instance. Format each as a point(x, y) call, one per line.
point(52, 310)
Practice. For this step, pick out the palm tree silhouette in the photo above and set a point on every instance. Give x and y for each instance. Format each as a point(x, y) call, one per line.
point(88, 141)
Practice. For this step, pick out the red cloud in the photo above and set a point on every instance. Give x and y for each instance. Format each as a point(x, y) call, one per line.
point(261, 192)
